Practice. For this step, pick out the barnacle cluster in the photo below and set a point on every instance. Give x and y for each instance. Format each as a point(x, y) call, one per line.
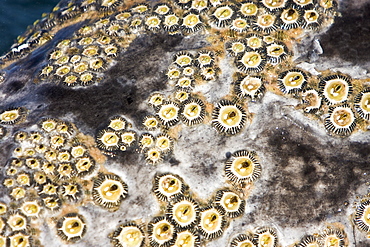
point(54, 167)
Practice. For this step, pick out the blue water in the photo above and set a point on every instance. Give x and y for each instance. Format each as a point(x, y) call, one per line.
point(16, 15)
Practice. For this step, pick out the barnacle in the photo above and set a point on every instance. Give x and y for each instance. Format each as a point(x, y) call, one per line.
point(212, 222)
point(168, 186)
point(254, 41)
point(181, 96)
point(291, 18)
point(108, 190)
point(209, 73)
point(243, 166)
point(183, 59)
point(85, 165)
point(109, 4)
point(140, 8)
point(20, 136)
point(188, 71)
point(162, 9)
point(164, 143)
point(309, 241)
point(191, 22)
point(335, 88)
point(362, 104)
point(185, 83)
point(222, 15)
point(168, 113)
point(199, 5)
point(65, 170)
point(230, 202)
point(303, 3)
point(161, 232)
point(153, 155)
point(312, 100)
point(235, 47)
point(151, 122)
point(71, 227)
point(248, 9)
point(48, 124)
point(187, 238)
point(50, 155)
point(52, 203)
point(276, 52)
point(33, 163)
point(3, 208)
point(13, 115)
point(49, 189)
point(78, 150)
point(63, 70)
point(332, 237)
point(204, 58)
point(11, 171)
point(173, 73)
point(17, 222)
point(249, 86)
point(156, 99)
point(228, 118)
point(57, 141)
point(311, 19)
point(9, 182)
point(64, 156)
point(19, 239)
point(128, 138)
point(71, 191)
point(292, 81)
point(183, 212)
point(192, 111)
point(243, 240)
point(266, 236)
point(251, 61)
point(239, 24)
point(108, 140)
point(341, 120)
point(31, 208)
point(153, 22)
point(146, 140)
point(171, 23)
point(274, 5)
point(184, 4)
point(40, 177)
point(362, 216)
point(265, 23)
point(24, 179)
point(128, 235)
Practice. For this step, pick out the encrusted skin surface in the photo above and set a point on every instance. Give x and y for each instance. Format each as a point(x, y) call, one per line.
point(310, 177)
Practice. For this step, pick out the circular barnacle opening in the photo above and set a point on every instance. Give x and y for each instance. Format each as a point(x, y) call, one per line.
point(199, 5)
point(331, 237)
point(235, 47)
point(64, 156)
point(249, 9)
point(11, 171)
point(311, 18)
point(96, 64)
point(266, 236)
point(31, 208)
point(191, 22)
point(48, 124)
point(362, 104)
point(71, 227)
point(211, 223)
point(222, 15)
point(75, 58)
point(243, 240)
point(362, 216)
point(168, 113)
point(187, 238)
point(56, 54)
point(33, 163)
point(71, 191)
point(65, 170)
point(63, 70)
point(228, 118)
point(146, 141)
point(13, 116)
point(251, 61)
point(128, 235)
point(108, 140)
point(276, 52)
point(292, 81)
point(108, 191)
point(40, 177)
point(153, 155)
point(9, 182)
point(46, 71)
point(78, 151)
point(49, 189)
point(341, 120)
point(151, 123)
point(153, 22)
point(254, 41)
point(24, 179)
point(249, 86)
point(162, 9)
point(52, 203)
point(290, 18)
point(156, 99)
point(50, 155)
point(164, 143)
point(71, 80)
point(181, 95)
point(117, 123)
point(243, 166)
point(204, 58)
point(168, 186)
point(161, 232)
point(128, 138)
point(265, 23)
point(335, 88)
point(19, 239)
point(192, 111)
point(80, 67)
point(171, 23)
point(230, 202)
point(86, 79)
point(90, 51)
point(303, 3)
point(239, 24)
point(173, 73)
point(183, 59)
point(185, 83)
point(3, 208)
point(57, 141)
point(17, 222)
point(328, 4)
point(274, 5)
point(183, 212)
point(20, 136)
point(85, 165)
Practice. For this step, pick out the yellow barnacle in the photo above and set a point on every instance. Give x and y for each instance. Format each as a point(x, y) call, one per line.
point(117, 123)
point(71, 227)
point(184, 212)
point(251, 61)
point(24, 179)
point(249, 86)
point(108, 140)
point(56, 54)
point(290, 18)
point(265, 23)
point(156, 99)
point(50, 155)
point(222, 15)
point(230, 202)
point(146, 141)
point(19, 239)
point(187, 238)
point(48, 125)
point(332, 238)
point(128, 138)
point(228, 118)
point(96, 63)
point(167, 186)
point(33, 163)
point(75, 58)
point(192, 112)
point(309, 241)
point(84, 166)
point(11, 171)
point(164, 143)
point(151, 122)
point(183, 59)
point(78, 151)
point(173, 73)
point(292, 81)
point(274, 4)
point(3, 208)
point(161, 232)
point(47, 70)
point(266, 236)
point(64, 156)
point(243, 166)
point(128, 235)
point(243, 240)
point(86, 78)
point(111, 50)
point(52, 203)
point(140, 8)
point(40, 177)
point(108, 191)
point(341, 120)
point(91, 51)
point(85, 41)
point(212, 222)
point(362, 216)
point(168, 113)
point(62, 60)
point(191, 22)
point(64, 43)
point(80, 67)
point(181, 95)
point(153, 22)
point(36, 137)
point(362, 104)
point(171, 23)
point(63, 70)
point(17, 222)
point(13, 116)
point(20, 136)
point(31, 208)
point(276, 52)
point(162, 9)
point(9, 182)
point(249, 9)
point(57, 141)
point(153, 155)
point(65, 170)
point(71, 191)
point(335, 88)
point(239, 24)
